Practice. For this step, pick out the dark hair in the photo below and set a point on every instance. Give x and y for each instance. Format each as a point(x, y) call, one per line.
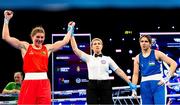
point(146, 36)
point(19, 73)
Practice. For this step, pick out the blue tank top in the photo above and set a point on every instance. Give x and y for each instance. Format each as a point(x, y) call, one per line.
point(149, 65)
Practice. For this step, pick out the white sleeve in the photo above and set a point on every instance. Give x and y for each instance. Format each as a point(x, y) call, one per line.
point(84, 57)
point(112, 64)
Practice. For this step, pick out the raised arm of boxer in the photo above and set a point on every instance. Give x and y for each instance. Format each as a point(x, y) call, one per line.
point(8, 14)
point(57, 45)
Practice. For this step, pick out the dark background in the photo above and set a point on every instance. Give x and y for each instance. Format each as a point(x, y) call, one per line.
point(104, 23)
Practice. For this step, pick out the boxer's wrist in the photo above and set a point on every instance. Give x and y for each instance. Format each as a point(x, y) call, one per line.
point(6, 21)
point(71, 30)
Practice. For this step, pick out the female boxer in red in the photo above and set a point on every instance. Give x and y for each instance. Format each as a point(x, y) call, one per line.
point(36, 87)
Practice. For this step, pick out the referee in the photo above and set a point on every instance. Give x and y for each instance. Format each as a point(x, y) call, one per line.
point(99, 90)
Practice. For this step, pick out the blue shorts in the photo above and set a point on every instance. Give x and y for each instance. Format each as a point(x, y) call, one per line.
point(152, 93)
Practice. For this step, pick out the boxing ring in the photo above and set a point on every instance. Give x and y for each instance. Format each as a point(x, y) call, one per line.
point(118, 99)
point(5, 99)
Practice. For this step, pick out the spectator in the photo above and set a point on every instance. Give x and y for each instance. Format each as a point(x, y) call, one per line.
point(14, 87)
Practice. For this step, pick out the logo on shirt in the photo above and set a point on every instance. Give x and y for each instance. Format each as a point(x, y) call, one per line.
point(43, 53)
point(151, 63)
point(103, 62)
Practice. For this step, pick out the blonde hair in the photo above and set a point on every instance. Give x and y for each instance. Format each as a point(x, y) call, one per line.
point(36, 30)
point(96, 39)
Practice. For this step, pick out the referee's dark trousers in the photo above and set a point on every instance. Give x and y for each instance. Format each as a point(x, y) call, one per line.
point(99, 92)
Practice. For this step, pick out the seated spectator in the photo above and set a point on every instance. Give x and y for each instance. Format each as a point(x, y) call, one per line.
point(14, 87)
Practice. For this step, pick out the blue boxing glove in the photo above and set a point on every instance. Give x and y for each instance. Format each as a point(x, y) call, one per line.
point(132, 86)
point(71, 27)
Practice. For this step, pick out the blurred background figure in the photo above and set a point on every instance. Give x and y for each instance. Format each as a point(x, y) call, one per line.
point(14, 87)
point(174, 89)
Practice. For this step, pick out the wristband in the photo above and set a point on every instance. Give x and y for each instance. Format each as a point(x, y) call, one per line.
point(132, 86)
point(166, 79)
point(6, 21)
point(71, 30)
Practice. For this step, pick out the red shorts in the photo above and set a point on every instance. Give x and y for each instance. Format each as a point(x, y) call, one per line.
point(35, 92)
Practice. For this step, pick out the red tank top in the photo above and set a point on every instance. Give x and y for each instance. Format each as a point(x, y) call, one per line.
point(35, 60)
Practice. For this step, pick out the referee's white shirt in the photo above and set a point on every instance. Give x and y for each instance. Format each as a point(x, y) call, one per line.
point(98, 67)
